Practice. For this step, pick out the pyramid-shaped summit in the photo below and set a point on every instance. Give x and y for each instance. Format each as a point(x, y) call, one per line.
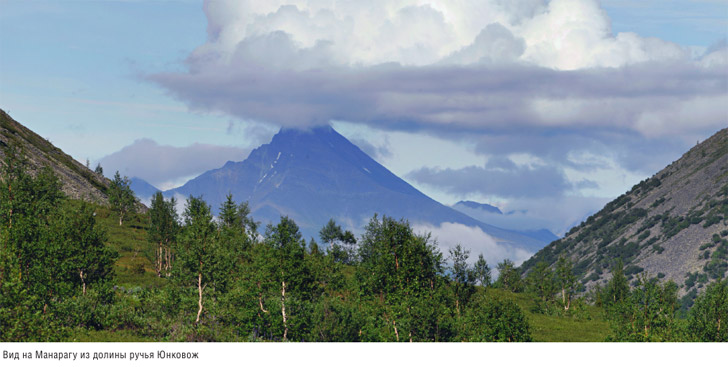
point(316, 174)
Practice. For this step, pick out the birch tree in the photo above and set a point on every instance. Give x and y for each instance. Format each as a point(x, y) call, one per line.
point(163, 229)
point(288, 251)
point(197, 248)
point(121, 197)
point(566, 280)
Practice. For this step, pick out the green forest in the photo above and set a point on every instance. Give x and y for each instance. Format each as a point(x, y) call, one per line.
point(76, 271)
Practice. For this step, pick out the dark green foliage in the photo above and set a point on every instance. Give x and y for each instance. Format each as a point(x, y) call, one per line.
point(633, 269)
point(402, 275)
point(52, 256)
point(290, 274)
point(121, 197)
point(566, 281)
point(687, 301)
point(673, 225)
point(541, 282)
point(690, 280)
point(482, 271)
point(643, 235)
point(235, 220)
point(706, 246)
point(226, 284)
point(602, 230)
point(495, 320)
point(707, 318)
point(658, 202)
point(163, 229)
point(462, 277)
point(509, 278)
point(99, 170)
point(617, 289)
point(341, 243)
point(647, 314)
point(201, 262)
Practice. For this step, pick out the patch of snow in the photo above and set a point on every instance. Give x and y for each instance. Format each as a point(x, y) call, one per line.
point(262, 178)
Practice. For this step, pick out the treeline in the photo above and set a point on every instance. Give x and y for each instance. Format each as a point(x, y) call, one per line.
point(227, 279)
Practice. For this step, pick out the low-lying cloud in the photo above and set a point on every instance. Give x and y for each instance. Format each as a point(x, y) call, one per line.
point(166, 166)
point(505, 179)
point(557, 214)
point(448, 235)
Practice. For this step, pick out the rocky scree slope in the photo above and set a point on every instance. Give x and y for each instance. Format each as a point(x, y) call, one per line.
point(673, 226)
point(78, 181)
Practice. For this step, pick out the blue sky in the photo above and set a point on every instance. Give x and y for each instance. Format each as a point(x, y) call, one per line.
point(589, 97)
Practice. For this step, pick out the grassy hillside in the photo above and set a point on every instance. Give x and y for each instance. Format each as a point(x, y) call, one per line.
point(134, 267)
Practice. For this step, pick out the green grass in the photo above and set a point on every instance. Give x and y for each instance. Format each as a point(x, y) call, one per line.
point(587, 325)
point(135, 266)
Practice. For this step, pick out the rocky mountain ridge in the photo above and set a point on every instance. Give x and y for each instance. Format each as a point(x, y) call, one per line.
point(79, 182)
point(673, 226)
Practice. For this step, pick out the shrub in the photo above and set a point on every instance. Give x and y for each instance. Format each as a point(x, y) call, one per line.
point(495, 320)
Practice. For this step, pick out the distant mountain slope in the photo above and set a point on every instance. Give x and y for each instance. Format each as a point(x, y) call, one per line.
point(316, 175)
point(142, 189)
point(673, 225)
point(474, 205)
point(78, 181)
point(490, 214)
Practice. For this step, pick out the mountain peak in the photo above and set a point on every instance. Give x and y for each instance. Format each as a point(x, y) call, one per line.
point(475, 205)
point(313, 175)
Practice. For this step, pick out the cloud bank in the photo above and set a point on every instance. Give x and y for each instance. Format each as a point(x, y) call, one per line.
point(502, 180)
point(546, 79)
point(165, 166)
point(448, 235)
point(473, 66)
